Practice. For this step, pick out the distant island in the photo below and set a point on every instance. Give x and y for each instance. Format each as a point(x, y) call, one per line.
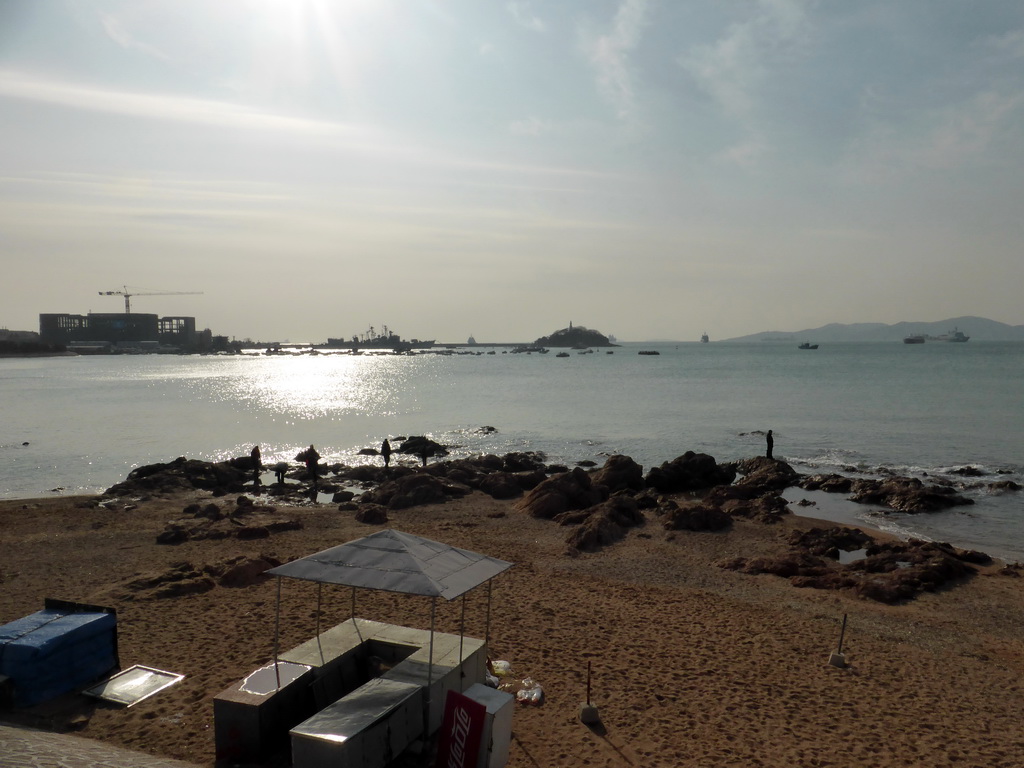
point(575, 336)
point(978, 328)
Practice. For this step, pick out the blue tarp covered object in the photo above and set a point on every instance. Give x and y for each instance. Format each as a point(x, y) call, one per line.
point(57, 650)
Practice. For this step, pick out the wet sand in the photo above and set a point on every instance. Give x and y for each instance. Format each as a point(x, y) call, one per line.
point(692, 664)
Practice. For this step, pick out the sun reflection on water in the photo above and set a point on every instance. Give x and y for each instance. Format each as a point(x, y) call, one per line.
point(325, 387)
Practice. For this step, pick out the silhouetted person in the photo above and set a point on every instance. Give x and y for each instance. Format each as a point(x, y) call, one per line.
point(425, 453)
point(257, 464)
point(311, 457)
point(771, 444)
point(279, 469)
point(385, 451)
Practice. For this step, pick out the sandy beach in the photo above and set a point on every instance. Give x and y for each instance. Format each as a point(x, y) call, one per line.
point(692, 664)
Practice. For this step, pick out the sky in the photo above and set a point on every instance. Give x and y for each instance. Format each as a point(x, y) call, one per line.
point(304, 169)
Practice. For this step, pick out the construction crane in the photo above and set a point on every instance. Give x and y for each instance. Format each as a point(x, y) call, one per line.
point(128, 295)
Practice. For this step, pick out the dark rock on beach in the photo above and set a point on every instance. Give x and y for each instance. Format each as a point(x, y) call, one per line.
point(828, 542)
point(889, 572)
point(601, 525)
point(561, 493)
point(764, 474)
point(371, 514)
point(689, 472)
point(210, 521)
point(619, 473)
point(181, 474)
point(693, 516)
point(747, 501)
point(414, 489)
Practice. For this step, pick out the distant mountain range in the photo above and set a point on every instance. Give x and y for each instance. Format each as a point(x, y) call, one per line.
point(978, 328)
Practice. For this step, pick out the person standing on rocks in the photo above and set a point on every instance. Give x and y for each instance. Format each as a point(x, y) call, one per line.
point(257, 464)
point(385, 451)
point(770, 441)
point(310, 457)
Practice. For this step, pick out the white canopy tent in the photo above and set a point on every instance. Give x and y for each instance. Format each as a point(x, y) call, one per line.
point(393, 561)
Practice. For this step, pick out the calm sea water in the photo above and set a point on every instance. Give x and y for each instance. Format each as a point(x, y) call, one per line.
point(80, 424)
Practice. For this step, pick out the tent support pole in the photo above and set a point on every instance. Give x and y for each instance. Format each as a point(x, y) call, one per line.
point(277, 634)
point(487, 626)
point(352, 614)
point(319, 595)
point(462, 635)
point(430, 671)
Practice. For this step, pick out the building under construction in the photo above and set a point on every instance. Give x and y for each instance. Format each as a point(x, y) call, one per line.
point(141, 331)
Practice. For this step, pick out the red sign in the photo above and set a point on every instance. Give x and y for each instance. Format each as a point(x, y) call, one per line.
point(461, 732)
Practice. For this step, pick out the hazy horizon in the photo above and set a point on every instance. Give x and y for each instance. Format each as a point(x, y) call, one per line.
point(645, 169)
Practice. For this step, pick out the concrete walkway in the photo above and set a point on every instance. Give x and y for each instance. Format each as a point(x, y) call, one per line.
point(25, 748)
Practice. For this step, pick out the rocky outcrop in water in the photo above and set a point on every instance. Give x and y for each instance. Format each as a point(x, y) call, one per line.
point(906, 494)
point(574, 336)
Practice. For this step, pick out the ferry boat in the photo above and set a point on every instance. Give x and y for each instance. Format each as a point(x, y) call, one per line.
point(704, 338)
point(916, 339)
point(954, 335)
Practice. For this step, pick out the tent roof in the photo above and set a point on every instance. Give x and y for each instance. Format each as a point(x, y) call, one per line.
point(393, 561)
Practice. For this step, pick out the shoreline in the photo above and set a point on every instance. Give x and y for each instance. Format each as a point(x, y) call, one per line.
point(694, 664)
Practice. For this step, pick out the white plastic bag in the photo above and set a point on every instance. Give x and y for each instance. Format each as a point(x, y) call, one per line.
point(530, 693)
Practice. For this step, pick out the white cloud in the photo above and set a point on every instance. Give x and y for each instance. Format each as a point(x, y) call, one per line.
point(954, 137)
point(732, 68)
point(19, 85)
point(119, 33)
point(745, 154)
point(523, 14)
point(610, 54)
point(1010, 44)
point(966, 130)
point(531, 126)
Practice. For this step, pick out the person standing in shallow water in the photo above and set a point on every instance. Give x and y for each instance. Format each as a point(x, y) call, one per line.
point(770, 443)
point(385, 451)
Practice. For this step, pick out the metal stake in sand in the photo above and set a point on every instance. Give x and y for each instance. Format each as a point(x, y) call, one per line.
point(837, 659)
point(588, 712)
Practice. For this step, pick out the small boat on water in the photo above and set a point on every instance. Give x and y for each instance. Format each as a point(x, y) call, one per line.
point(704, 338)
point(648, 352)
point(562, 354)
point(807, 345)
